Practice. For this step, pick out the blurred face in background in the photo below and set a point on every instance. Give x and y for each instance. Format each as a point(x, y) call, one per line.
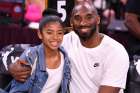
point(40, 3)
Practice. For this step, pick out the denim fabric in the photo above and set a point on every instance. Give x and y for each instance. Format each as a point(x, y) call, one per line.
point(36, 81)
point(2, 91)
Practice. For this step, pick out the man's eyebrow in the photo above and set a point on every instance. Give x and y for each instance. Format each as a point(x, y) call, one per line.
point(76, 14)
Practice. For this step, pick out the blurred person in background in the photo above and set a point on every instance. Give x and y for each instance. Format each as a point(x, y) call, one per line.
point(40, 3)
point(132, 21)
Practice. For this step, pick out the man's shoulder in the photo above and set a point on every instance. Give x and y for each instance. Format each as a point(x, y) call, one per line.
point(71, 36)
point(113, 44)
point(70, 40)
point(71, 33)
point(115, 50)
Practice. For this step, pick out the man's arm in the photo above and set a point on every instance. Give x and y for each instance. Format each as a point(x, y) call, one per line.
point(132, 22)
point(108, 89)
point(21, 69)
point(19, 73)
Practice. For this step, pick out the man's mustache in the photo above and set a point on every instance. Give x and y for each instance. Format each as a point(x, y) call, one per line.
point(82, 27)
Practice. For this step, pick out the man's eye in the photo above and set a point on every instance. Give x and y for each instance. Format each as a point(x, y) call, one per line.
point(88, 17)
point(77, 18)
point(48, 32)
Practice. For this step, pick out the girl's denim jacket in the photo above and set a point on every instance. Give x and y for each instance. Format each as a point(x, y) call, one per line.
point(34, 84)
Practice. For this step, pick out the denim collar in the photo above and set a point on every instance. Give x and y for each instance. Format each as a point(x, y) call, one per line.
point(41, 56)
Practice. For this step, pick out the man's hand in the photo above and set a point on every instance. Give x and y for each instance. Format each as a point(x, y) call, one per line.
point(20, 70)
point(108, 89)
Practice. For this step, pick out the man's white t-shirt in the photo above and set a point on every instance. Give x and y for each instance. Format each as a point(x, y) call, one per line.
point(106, 64)
point(54, 78)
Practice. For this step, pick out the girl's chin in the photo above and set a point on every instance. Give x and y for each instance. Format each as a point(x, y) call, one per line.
point(54, 47)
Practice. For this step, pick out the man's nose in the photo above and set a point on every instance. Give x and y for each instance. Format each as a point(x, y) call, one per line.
point(83, 22)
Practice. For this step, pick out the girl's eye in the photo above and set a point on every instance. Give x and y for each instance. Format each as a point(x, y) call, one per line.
point(61, 33)
point(48, 32)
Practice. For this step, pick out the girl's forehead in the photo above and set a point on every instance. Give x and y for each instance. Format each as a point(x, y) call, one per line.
point(54, 23)
point(53, 26)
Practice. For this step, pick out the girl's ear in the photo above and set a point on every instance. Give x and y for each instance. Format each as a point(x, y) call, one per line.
point(39, 34)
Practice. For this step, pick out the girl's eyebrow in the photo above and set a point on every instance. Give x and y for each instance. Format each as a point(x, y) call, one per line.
point(61, 30)
point(48, 30)
point(53, 30)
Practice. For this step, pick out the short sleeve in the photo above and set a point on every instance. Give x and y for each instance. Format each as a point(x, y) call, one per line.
point(116, 68)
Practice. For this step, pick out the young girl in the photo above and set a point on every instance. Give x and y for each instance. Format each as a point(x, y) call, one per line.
point(49, 62)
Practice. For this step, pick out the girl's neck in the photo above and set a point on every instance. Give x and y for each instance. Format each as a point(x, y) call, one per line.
point(51, 53)
point(52, 58)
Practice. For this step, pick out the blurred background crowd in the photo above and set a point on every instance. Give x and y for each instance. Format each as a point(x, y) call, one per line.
point(17, 14)
point(120, 19)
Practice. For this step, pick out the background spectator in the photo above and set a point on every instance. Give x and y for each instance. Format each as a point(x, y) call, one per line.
point(132, 21)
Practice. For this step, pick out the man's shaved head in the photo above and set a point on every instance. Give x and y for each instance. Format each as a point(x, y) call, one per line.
point(84, 4)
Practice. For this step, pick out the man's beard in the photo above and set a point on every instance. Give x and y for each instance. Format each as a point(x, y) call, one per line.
point(87, 35)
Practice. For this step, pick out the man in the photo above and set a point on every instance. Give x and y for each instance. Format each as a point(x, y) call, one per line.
point(99, 64)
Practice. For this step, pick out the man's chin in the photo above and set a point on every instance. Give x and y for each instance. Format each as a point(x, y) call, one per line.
point(85, 35)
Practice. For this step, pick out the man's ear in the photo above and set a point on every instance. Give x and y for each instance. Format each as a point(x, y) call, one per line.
point(98, 19)
point(71, 23)
point(39, 34)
